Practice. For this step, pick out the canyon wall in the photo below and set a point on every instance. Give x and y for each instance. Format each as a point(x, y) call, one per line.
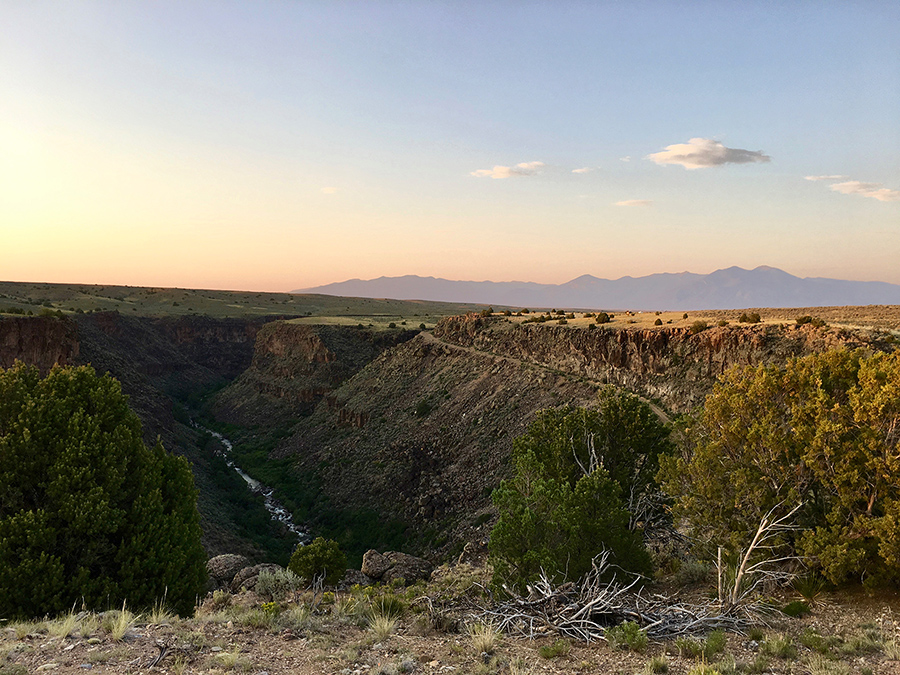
point(674, 365)
point(42, 341)
point(424, 432)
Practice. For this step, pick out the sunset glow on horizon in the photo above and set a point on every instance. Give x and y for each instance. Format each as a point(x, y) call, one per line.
point(284, 145)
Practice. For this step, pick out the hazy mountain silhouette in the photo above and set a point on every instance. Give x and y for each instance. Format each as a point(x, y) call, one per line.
point(732, 288)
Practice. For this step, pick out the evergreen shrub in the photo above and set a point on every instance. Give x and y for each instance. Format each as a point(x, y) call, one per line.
point(89, 514)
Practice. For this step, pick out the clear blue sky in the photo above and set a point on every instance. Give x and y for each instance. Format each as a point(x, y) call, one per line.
point(280, 145)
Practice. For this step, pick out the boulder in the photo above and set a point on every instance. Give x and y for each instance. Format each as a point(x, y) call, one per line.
point(374, 564)
point(407, 567)
point(247, 577)
point(354, 577)
point(222, 568)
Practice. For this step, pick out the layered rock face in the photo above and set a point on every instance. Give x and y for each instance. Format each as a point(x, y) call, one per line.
point(294, 366)
point(670, 364)
point(42, 341)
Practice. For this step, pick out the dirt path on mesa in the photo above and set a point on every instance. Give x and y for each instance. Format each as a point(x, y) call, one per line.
point(432, 339)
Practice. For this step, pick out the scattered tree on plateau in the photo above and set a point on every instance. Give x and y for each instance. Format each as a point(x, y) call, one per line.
point(824, 432)
point(89, 515)
point(584, 482)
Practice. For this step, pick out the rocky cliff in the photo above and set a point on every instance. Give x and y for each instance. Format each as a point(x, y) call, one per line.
point(42, 341)
point(294, 366)
point(674, 365)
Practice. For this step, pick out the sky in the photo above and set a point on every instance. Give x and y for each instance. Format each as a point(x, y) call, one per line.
point(283, 145)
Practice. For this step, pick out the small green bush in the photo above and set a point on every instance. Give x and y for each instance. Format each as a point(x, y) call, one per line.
point(627, 635)
point(698, 327)
point(320, 557)
point(558, 648)
point(602, 317)
point(780, 646)
point(276, 585)
point(658, 322)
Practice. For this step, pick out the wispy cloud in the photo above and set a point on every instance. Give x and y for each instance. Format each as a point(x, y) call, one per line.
point(873, 190)
point(329, 190)
point(586, 169)
point(824, 177)
point(701, 153)
point(521, 169)
point(635, 202)
point(626, 158)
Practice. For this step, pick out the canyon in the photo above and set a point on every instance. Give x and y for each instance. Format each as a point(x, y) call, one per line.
point(383, 438)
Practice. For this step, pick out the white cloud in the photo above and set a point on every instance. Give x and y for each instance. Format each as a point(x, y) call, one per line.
point(701, 153)
point(824, 177)
point(873, 190)
point(586, 169)
point(635, 202)
point(521, 169)
point(626, 158)
point(329, 190)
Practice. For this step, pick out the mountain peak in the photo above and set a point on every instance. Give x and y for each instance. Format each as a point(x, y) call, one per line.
point(730, 288)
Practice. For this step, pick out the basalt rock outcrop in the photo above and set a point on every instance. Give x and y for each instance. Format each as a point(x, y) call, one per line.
point(395, 566)
point(672, 364)
point(295, 365)
point(223, 568)
point(42, 341)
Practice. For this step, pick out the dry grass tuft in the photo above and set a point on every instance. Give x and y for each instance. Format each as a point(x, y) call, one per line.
point(485, 637)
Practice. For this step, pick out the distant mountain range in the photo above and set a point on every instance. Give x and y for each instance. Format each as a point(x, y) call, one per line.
point(732, 288)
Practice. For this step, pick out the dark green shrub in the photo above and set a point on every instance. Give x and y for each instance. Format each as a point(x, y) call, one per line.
point(565, 504)
point(796, 609)
point(684, 316)
point(318, 558)
point(753, 317)
point(602, 317)
point(89, 515)
point(392, 325)
point(698, 327)
point(558, 648)
point(658, 322)
point(820, 431)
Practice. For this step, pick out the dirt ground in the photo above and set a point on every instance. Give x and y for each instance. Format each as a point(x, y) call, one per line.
point(844, 633)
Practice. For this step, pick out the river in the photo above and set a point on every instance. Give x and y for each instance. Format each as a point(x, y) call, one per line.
point(276, 510)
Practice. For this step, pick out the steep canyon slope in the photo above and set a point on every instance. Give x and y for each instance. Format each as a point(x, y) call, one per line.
point(423, 433)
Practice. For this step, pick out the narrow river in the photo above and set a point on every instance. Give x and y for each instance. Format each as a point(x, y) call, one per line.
point(276, 510)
